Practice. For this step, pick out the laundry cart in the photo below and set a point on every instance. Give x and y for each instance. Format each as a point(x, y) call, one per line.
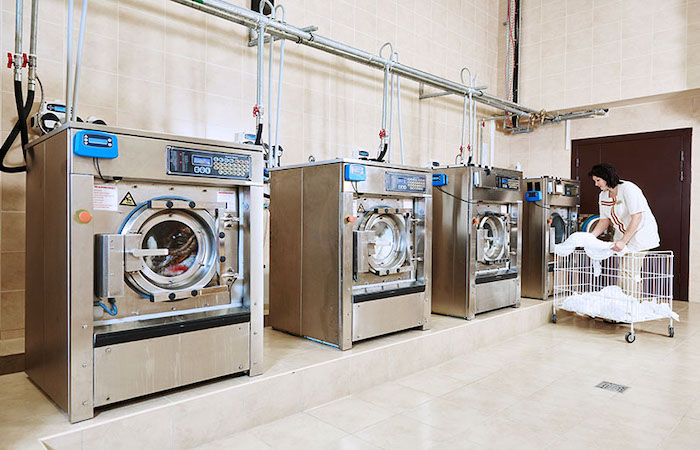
point(629, 288)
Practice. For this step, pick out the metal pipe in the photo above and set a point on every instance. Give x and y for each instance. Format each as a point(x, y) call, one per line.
point(69, 60)
point(254, 42)
point(398, 105)
point(384, 140)
point(276, 159)
point(252, 19)
point(31, 78)
point(492, 146)
point(19, 11)
point(78, 60)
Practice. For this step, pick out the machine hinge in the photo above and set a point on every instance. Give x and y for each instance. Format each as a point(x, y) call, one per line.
point(682, 164)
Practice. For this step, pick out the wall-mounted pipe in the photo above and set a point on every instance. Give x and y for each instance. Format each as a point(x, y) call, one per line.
point(69, 60)
point(78, 61)
point(252, 19)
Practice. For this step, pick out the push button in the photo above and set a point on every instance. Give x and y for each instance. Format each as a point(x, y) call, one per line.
point(84, 216)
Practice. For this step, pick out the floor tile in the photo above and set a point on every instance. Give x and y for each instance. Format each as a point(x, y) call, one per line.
point(298, 431)
point(394, 397)
point(401, 433)
point(350, 414)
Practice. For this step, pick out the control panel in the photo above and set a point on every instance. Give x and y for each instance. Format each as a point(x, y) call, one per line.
point(512, 183)
point(401, 182)
point(355, 172)
point(571, 190)
point(202, 163)
point(95, 144)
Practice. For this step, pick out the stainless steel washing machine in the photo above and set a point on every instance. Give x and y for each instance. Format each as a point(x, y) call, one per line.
point(550, 216)
point(476, 239)
point(350, 250)
point(144, 263)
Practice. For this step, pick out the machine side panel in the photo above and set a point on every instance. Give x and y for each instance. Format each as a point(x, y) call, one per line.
point(286, 222)
point(387, 315)
point(320, 315)
point(256, 283)
point(534, 219)
point(35, 308)
point(449, 249)
point(80, 261)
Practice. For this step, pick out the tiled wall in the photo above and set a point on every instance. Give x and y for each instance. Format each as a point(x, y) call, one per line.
point(158, 65)
point(580, 52)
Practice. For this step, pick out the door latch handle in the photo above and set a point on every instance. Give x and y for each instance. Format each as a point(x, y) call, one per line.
point(139, 252)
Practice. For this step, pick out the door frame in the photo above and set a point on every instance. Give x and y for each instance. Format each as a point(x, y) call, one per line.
point(683, 260)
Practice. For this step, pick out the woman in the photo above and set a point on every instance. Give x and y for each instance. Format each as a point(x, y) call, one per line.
point(624, 204)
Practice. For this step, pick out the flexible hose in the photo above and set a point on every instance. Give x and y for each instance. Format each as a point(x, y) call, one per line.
point(19, 128)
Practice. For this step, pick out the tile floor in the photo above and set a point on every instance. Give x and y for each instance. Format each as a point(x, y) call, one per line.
point(536, 390)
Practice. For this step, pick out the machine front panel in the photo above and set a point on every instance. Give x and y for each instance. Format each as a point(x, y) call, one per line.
point(200, 163)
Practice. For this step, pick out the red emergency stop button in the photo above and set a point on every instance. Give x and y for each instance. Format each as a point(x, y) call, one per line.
point(84, 216)
point(351, 219)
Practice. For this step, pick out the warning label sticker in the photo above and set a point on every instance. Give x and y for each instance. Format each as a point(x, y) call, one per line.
point(128, 200)
point(104, 198)
point(228, 197)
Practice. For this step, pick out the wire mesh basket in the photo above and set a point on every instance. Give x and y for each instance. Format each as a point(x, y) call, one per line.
point(630, 288)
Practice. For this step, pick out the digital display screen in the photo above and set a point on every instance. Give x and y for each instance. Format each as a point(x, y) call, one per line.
point(60, 109)
point(201, 160)
point(401, 180)
point(97, 141)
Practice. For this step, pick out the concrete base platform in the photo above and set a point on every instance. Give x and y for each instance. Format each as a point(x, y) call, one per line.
point(299, 374)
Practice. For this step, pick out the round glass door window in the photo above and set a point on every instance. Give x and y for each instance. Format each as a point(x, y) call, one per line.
point(180, 241)
point(494, 237)
point(387, 248)
point(559, 226)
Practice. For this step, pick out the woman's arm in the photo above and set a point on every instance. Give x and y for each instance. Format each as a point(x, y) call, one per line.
point(600, 227)
point(635, 220)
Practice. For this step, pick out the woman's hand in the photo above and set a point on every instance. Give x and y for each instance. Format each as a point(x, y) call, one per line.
point(618, 246)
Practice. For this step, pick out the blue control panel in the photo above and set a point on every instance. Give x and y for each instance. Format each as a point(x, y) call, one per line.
point(439, 179)
point(533, 196)
point(95, 144)
point(355, 172)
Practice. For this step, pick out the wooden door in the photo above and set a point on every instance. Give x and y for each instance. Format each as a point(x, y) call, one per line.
point(657, 162)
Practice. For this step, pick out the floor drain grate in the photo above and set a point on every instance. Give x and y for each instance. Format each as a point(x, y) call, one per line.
point(612, 386)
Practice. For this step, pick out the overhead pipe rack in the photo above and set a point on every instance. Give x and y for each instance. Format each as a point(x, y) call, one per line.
point(283, 30)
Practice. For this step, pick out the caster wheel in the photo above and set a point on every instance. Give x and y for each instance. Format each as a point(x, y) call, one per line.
point(554, 318)
point(670, 331)
point(630, 337)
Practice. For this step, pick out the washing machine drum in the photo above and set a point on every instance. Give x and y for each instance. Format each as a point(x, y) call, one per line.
point(492, 238)
point(387, 244)
point(177, 250)
point(560, 229)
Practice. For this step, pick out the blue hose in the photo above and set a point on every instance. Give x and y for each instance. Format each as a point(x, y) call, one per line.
point(113, 303)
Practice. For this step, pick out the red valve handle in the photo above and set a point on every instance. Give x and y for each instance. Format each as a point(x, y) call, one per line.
point(9, 60)
point(25, 61)
point(382, 134)
point(256, 111)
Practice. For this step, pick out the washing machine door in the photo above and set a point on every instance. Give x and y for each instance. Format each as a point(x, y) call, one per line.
point(492, 238)
point(170, 252)
point(558, 229)
point(382, 243)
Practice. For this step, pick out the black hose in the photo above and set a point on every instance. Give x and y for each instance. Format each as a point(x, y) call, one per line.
point(380, 158)
point(258, 135)
point(19, 128)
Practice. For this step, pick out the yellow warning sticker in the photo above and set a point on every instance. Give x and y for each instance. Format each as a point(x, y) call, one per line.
point(128, 200)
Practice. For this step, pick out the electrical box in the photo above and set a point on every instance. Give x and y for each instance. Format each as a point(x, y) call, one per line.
point(439, 179)
point(533, 196)
point(355, 172)
point(95, 144)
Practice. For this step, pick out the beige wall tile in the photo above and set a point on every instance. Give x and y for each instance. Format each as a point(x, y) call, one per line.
point(13, 231)
point(12, 334)
point(12, 315)
point(13, 192)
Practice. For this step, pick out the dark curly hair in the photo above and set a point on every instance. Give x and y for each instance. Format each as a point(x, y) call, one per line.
point(607, 172)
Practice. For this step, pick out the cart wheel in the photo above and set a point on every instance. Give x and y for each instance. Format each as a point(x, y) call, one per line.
point(554, 317)
point(670, 331)
point(629, 337)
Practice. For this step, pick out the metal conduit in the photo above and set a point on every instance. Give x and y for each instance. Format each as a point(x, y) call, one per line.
point(250, 18)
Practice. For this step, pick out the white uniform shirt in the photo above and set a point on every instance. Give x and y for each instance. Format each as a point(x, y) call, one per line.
point(630, 200)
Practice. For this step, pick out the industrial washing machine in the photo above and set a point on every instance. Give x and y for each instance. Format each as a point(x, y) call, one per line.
point(144, 263)
point(477, 239)
point(550, 216)
point(350, 250)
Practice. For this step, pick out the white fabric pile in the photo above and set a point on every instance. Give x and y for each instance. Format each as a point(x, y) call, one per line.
point(613, 304)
